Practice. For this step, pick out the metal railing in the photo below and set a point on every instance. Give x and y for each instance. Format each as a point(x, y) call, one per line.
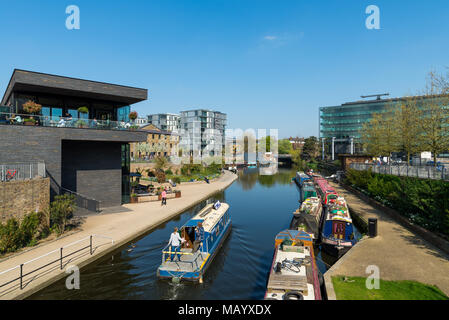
point(197, 254)
point(21, 171)
point(84, 202)
point(64, 122)
point(60, 259)
point(423, 172)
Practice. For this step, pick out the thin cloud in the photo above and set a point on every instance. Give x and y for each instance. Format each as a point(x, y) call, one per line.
point(270, 38)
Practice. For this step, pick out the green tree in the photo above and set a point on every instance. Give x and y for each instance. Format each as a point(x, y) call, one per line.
point(160, 162)
point(310, 149)
point(407, 118)
point(380, 135)
point(435, 120)
point(284, 146)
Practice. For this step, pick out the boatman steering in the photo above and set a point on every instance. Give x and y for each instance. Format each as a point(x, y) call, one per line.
point(199, 237)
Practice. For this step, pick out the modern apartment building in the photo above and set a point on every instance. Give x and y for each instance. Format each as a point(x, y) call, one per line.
point(141, 121)
point(165, 121)
point(80, 129)
point(204, 127)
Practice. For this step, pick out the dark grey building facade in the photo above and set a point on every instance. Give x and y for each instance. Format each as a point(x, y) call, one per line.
point(84, 153)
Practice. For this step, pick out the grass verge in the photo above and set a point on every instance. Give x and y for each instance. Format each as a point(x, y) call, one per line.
point(354, 288)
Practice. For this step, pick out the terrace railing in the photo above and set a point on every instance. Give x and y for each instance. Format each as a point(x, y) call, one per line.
point(21, 171)
point(423, 172)
point(64, 122)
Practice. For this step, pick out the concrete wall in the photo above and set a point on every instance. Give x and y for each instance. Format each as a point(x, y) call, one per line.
point(18, 198)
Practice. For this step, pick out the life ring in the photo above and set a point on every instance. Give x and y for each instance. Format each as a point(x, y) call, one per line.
point(293, 295)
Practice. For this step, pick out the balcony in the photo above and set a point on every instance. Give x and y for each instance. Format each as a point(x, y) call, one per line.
point(64, 122)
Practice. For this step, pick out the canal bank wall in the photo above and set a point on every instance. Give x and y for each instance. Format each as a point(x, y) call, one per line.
point(399, 252)
point(127, 224)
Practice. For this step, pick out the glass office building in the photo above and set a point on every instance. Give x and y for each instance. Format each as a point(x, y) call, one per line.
point(344, 122)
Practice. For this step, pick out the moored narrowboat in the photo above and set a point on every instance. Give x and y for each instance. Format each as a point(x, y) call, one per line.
point(193, 262)
point(337, 233)
point(308, 217)
point(307, 191)
point(325, 191)
point(294, 274)
point(301, 177)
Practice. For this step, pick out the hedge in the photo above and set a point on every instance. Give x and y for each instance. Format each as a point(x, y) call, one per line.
point(424, 202)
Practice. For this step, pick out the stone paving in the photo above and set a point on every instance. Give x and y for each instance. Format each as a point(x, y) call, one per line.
point(122, 226)
point(399, 254)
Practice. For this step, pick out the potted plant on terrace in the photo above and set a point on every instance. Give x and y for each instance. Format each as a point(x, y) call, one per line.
point(29, 122)
point(81, 124)
point(32, 108)
point(134, 198)
point(83, 110)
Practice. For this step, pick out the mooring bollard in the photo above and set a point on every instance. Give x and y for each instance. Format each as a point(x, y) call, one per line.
point(372, 227)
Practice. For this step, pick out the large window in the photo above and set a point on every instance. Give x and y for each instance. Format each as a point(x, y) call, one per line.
point(123, 113)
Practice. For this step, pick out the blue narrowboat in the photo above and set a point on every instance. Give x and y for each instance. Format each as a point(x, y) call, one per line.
point(192, 264)
point(337, 233)
point(302, 177)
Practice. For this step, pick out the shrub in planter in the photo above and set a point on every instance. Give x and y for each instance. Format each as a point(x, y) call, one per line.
point(134, 198)
point(177, 180)
point(32, 107)
point(168, 171)
point(83, 110)
point(81, 124)
point(29, 122)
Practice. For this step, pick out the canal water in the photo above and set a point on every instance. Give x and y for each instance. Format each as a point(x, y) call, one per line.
point(260, 207)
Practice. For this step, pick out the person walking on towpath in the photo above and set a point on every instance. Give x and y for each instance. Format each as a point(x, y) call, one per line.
point(164, 197)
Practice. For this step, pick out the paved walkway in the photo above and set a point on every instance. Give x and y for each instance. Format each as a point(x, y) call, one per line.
point(399, 254)
point(122, 227)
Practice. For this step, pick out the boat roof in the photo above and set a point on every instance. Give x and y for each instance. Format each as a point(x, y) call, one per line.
point(294, 235)
point(324, 185)
point(339, 210)
point(303, 175)
point(208, 216)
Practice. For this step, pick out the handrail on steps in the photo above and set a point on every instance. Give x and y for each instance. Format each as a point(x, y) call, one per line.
point(59, 259)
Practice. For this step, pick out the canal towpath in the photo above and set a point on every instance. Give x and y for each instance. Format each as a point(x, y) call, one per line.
point(399, 253)
point(132, 221)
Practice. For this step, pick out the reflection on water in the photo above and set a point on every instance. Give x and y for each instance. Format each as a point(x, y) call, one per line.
point(260, 207)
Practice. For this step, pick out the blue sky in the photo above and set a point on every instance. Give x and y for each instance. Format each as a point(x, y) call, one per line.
point(267, 64)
